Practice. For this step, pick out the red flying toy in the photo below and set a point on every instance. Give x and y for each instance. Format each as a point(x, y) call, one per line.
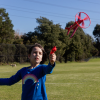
point(79, 23)
point(53, 50)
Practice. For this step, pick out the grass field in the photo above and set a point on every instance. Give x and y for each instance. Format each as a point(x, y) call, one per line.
point(69, 81)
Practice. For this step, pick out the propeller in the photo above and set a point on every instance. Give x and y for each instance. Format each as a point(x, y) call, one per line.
point(81, 21)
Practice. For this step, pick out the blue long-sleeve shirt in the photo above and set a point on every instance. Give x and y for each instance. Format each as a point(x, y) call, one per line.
point(33, 81)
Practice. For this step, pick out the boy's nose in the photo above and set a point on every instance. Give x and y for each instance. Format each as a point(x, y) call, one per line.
point(37, 54)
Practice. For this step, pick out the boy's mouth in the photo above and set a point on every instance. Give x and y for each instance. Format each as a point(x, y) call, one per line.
point(37, 58)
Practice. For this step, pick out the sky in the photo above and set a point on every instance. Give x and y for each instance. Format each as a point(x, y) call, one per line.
point(23, 13)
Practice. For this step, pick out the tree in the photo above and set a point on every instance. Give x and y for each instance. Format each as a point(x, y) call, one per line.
point(30, 38)
point(49, 36)
point(17, 40)
point(80, 45)
point(6, 27)
point(96, 32)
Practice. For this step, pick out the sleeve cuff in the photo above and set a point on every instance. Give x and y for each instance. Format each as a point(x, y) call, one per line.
point(52, 65)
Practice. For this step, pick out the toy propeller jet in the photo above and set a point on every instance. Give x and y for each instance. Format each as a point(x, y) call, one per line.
point(79, 23)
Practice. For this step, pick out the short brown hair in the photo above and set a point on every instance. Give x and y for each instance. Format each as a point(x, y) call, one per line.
point(44, 58)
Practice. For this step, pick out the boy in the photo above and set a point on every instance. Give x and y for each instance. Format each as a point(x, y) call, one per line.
point(34, 76)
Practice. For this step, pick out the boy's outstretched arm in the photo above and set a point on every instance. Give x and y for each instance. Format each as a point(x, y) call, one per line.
point(10, 81)
point(47, 69)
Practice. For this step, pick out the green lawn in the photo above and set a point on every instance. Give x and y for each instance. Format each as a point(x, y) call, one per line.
point(70, 81)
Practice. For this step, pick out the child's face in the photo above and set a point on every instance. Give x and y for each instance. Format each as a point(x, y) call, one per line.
point(36, 56)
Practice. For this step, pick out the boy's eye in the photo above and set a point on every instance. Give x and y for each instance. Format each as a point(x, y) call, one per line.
point(34, 52)
point(40, 53)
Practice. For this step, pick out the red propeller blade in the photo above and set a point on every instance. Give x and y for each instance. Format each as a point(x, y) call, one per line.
point(78, 17)
point(83, 24)
point(86, 18)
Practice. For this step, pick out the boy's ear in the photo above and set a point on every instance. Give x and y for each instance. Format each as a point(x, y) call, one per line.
point(29, 56)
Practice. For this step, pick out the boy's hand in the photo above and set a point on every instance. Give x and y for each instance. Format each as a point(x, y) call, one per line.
point(52, 58)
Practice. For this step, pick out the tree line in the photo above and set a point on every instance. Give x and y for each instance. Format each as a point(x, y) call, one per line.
point(81, 46)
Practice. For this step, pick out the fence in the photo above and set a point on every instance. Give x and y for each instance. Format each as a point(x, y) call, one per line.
point(18, 53)
point(14, 53)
